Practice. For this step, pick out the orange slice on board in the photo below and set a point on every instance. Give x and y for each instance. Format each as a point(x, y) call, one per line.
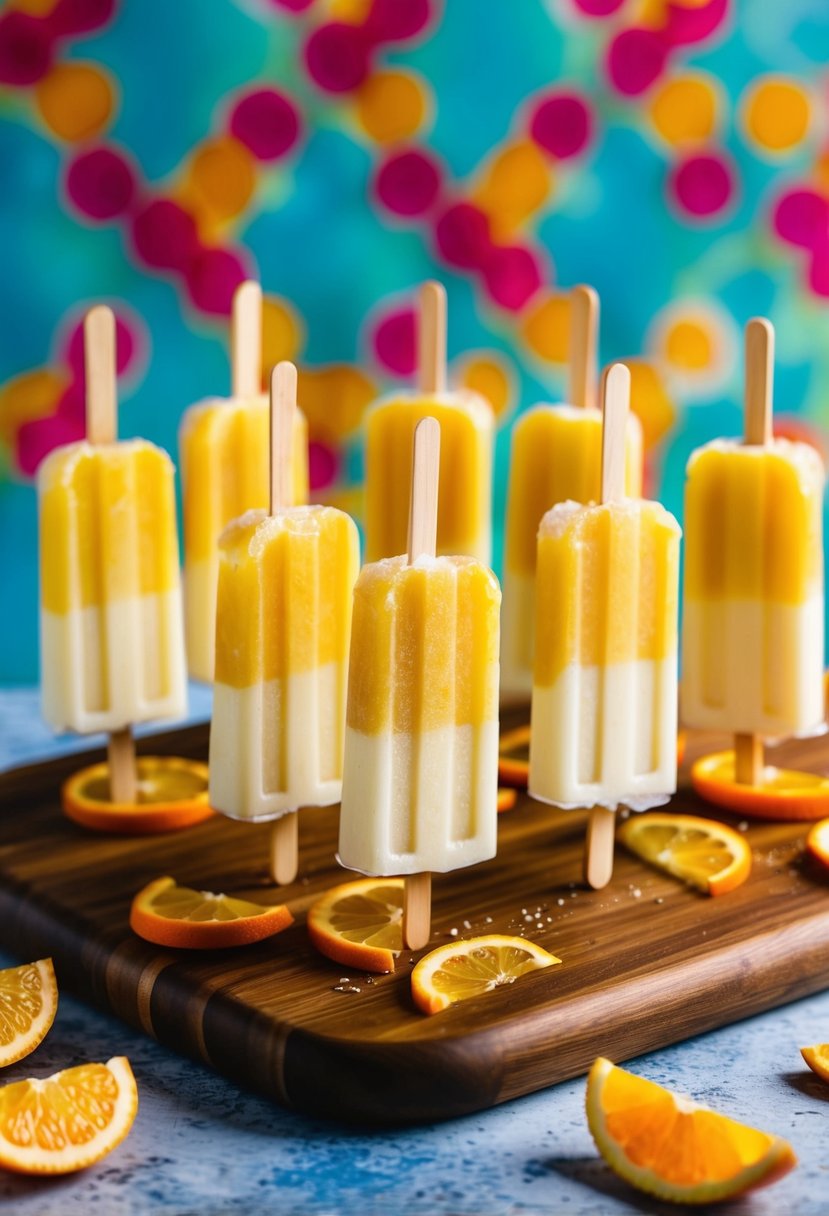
point(470, 968)
point(702, 852)
point(669, 1146)
point(360, 924)
point(63, 1123)
point(783, 794)
point(28, 1004)
point(507, 798)
point(170, 915)
point(514, 757)
point(817, 843)
point(817, 1058)
point(172, 794)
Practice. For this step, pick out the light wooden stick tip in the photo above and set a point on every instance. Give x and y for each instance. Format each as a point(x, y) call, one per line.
point(759, 380)
point(284, 857)
point(431, 340)
point(101, 375)
point(748, 759)
point(123, 779)
point(283, 409)
point(423, 505)
point(417, 911)
point(598, 850)
point(583, 345)
point(616, 405)
point(246, 339)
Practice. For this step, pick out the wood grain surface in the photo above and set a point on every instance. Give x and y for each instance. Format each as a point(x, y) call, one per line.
point(646, 962)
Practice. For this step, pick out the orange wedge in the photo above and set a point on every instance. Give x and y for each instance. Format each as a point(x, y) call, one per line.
point(702, 852)
point(669, 1146)
point(172, 794)
point(817, 843)
point(514, 757)
point(170, 915)
point(817, 1058)
point(783, 793)
point(66, 1122)
point(360, 924)
point(470, 968)
point(28, 1004)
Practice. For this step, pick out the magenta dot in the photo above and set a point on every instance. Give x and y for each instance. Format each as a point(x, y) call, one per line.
point(72, 404)
point(37, 438)
point(337, 56)
point(702, 185)
point(265, 122)
point(512, 276)
point(635, 60)
point(561, 126)
point(25, 49)
point(395, 342)
point(79, 16)
point(126, 343)
point(819, 269)
point(801, 217)
point(462, 236)
point(212, 278)
point(100, 184)
point(292, 6)
point(408, 183)
point(391, 21)
point(323, 465)
point(164, 235)
point(598, 8)
point(688, 25)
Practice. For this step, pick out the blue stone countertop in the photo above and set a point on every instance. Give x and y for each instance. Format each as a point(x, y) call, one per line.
point(201, 1145)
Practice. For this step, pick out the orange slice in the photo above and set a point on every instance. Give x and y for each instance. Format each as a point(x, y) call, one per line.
point(172, 794)
point(470, 968)
point(669, 1146)
point(784, 793)
point(514, 757)
point(817, 1058)
point(507, 798)
point(360, 924)
point(702, 852)
point(170, 915)
point(817, 843)
point(28, 1004)
point(66, 1122)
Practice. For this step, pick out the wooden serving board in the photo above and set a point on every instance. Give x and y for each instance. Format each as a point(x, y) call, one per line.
point(646, 962)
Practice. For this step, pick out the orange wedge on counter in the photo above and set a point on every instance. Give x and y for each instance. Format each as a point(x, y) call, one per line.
point(360, 924)
point(66, 1122)
point(817, 843)
point(470, 968)
point(702, 852)
point(783, 793)
point(671, 1147)
point(172, 794)
point(817, 1058)
point(28, 1004)
point(514, 757)
point(170, 915)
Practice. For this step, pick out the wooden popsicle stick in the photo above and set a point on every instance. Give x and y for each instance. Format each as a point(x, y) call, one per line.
point(757, 430)
point(284, 855)
point(102, 427)
point(583, 346)
point(598, 849)
point(423, 522)
point(246, 340)
point(431, 338)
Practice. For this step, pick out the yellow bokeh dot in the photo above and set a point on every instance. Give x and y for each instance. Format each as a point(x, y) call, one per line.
point(35, 8)
point(684, 110)
point(75, 100)
point(391, 106)
point(777, 114)
point(31, 395)
point(649, 401)
point(350, 12)
point(546, 327)
point(517, 183)
point(221, 179)
point(488, 375)
point(282, 333)
point(334, 399)
point(689, 345)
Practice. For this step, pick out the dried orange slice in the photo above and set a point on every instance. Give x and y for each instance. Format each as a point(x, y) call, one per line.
point(172, 794)
point(28, 1004)
point(470, 968)
point(514, 757)
point(669, 1146)
point(66, 1122)
point(702, 852)
point(507, 798)
point(360, 924)
point(817, 843)
point(783, 794)
point(817, 1058)
point(170, 915)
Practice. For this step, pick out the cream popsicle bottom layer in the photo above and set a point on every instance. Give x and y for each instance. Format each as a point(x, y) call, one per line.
point(278, 746)
point(416, 803)
point(517, 635)
point(753, 667)
point(201, 580)
point(605, 735)
point(107, 667)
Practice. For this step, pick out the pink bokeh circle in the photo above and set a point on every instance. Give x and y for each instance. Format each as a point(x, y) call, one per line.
point(512, 275)
point(407, 183)
point(702, 185)
point(266, 122)
point(395, 342)
point(462, 236)
point(165, 236)
point(212, 278)
point(100, 183)
point(561, 125)
point(337, 56)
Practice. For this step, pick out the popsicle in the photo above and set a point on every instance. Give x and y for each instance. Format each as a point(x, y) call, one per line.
point(555, 457)
point(466, 428)
point(421, 744)
point(604, 703)
point(112, 644)
point(752, 653)
point(286, 578)
point(224, 470)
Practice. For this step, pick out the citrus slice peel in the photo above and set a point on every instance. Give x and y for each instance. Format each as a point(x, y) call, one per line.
point(172, 794)
point(470, 968)
point(360, 924)
point(706, 854)
point(179, 917)
point(28, 1004)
